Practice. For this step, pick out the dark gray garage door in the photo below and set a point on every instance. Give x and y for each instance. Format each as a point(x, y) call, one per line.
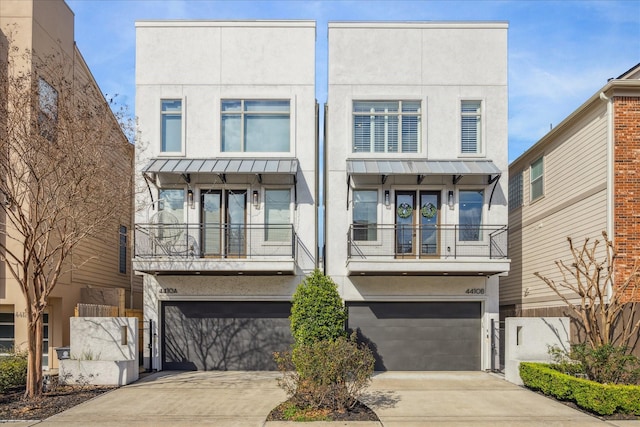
point(420, 336)
point(223, 335)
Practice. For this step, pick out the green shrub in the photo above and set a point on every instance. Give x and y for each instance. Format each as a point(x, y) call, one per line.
point(607, 363)
point(13, 371)
point(317, 313)
point(602, 399)
point(326, 374)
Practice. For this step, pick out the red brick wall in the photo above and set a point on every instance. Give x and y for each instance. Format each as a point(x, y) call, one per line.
point(626, 137)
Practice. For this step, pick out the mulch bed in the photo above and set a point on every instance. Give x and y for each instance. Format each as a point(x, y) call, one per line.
point(360, 412)
point(13, 405)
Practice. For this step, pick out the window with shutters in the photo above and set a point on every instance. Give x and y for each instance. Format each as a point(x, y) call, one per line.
point(471, 127)
point(386, 126)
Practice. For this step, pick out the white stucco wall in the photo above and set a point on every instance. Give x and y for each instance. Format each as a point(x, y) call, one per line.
point(202, 63)
point(528, 339)
point(438, 64)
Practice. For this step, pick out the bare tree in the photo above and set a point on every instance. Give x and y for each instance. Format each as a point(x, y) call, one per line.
point(63, 177)
point(604, 306)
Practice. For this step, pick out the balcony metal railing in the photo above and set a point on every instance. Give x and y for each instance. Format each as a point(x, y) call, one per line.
point(427, 241)
point(214, 240)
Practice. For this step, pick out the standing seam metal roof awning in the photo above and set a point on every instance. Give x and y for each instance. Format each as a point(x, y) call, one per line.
point(223, 166)
point(422, 167)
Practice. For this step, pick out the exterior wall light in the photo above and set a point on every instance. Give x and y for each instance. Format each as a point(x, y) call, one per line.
point(256, 199)
point(387, 198)
point(190, 201)
point(450, 200)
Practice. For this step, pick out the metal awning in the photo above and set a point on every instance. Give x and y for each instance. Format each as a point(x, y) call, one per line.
point(223, 166)
point(421, 168)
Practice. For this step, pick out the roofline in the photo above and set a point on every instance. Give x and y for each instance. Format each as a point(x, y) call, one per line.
point(605, 90)
point(420, 24)
point(225, 23)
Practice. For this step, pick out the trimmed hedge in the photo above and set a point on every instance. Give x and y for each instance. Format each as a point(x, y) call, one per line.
point(602, 399)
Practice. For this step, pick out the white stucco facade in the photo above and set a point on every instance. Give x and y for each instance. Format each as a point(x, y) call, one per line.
point(436, 66)
point(202, 65)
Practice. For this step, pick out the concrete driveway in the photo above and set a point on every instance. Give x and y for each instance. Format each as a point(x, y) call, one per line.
point(401, 399)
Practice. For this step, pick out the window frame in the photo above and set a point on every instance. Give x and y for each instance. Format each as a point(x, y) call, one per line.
point(8, 323)
point(533, 181)
point(375, 238)
point(419, 115)
point(182, 126)
point(161, 206)
point(48, 98)
point(268, 240)
point(480, 128)
point(516, 191)
point(243, 113)
point(122, 246)
point(481, 236)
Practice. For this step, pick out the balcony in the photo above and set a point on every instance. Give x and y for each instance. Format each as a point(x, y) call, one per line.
point(457, 250)
point(215, 248)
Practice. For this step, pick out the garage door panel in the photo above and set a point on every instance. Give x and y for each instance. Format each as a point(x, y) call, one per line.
point(224, 336)
point(421, 335)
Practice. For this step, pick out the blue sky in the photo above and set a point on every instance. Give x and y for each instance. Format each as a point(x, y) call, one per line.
point(560, 52)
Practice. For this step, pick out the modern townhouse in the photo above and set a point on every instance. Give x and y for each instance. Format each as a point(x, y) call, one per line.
point(226, 225)
point(577, 181)
point(102, 262)
point(415, 194)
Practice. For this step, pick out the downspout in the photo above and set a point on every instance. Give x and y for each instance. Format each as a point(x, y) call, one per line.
point(610, 175)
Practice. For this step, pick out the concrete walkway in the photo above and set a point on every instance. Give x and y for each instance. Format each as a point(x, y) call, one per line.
point(401, 399)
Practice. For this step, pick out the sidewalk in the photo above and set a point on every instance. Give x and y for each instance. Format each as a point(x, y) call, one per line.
point(401, 399)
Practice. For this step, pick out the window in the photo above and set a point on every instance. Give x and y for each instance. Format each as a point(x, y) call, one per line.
point(277, 215)
point(537, 179)
point(122, 259)
point(471, 127)
point(386, 126)
point(471, 203)
point(255, 126)
point(365, 215)
point(45, 340)
point(171, 204)
point(171, 126)
point(515, 191)
point(48, 110)
point(7, 330)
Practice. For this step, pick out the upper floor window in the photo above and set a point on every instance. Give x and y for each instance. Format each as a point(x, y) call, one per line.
point(171, 126)
point(171, 204)
point(386, 126)
point(515, 191)
point(277, 215)
point(47, 109)
point(256, 126)
point(365, 215)
point(537, 179)
point(471, 203)
point(471, 120)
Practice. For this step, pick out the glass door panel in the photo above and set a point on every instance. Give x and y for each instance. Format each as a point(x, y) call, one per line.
point(429, 221)
point(236, 223)
point(405, 224)
point(211, 216)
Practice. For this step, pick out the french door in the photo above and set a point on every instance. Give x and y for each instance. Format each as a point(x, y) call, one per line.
point(224, 223)
point(417, 231)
